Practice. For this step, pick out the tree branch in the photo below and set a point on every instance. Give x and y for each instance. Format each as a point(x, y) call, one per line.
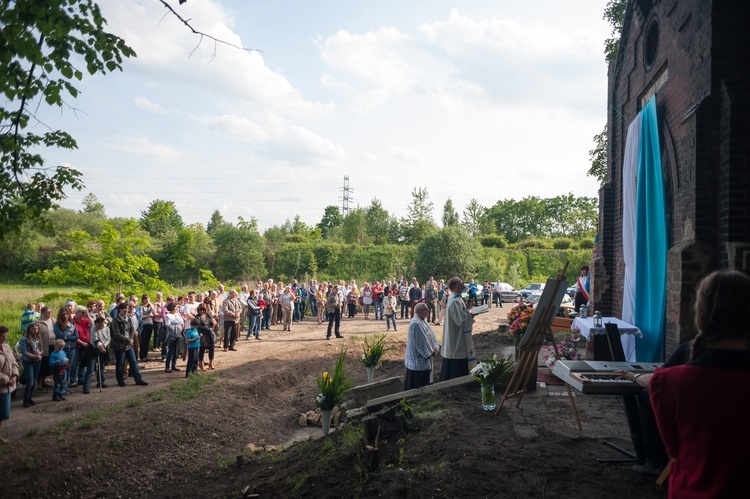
point(186, 22)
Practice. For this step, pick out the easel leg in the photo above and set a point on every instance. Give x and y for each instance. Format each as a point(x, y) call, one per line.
point(528, 368)
point(512, 388)
point(573, 406)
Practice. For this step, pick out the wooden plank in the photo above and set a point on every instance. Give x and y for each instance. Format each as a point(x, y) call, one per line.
point(440, 385)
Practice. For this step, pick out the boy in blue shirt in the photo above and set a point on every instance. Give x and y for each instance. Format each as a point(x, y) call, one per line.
point(59, 363)
point(193, 338)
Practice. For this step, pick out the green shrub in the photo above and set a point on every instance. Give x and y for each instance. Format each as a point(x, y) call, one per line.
point(562, 243)
point(586, 243)
point(534, 242)
point(493, 241)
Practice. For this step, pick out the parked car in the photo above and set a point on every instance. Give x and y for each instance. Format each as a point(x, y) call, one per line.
point(465, 294)
point(509, 293)
point(534, 286)
point(534, 297)
point(571, 291)
point(565, 306)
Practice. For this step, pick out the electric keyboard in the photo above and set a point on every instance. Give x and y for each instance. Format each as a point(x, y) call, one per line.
point(597, 377)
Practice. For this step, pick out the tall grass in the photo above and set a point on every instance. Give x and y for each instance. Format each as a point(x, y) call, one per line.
point(15, 297)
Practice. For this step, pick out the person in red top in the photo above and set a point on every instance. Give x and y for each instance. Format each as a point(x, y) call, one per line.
point(79, 371)
point(701, 407)
point(378, 295)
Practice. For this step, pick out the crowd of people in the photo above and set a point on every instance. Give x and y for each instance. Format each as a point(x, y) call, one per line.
point(70, 347)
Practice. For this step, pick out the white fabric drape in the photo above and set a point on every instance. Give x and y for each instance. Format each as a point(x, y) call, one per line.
point(629, 184)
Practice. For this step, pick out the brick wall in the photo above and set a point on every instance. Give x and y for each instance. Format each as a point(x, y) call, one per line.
point(700, 73)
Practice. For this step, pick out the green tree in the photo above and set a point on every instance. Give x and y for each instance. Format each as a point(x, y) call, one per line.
point(215, 222)
point(239, 251)
point(377, 221)
point(331, 218)
point(185, 252)
point(448, 252)
point(418, 223)
point(474, 219)
point(110, 263)
point(598, 157)
point(92, 206)
point(614, 14)
point(355, 227)
point(160, 218)
point(40, 43)
point(450, 215)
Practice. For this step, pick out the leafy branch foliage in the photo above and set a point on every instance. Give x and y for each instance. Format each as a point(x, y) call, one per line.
point(44, 49)
point(114, 261)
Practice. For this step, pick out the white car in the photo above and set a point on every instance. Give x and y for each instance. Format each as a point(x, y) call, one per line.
point(532, 288)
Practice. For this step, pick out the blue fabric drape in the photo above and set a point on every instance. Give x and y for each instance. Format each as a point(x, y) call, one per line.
point(651, 241)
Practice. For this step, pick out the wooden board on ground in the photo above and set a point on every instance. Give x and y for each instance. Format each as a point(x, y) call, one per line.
point(379, 402)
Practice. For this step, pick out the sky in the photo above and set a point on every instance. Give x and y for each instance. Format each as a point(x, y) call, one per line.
point(478, 99)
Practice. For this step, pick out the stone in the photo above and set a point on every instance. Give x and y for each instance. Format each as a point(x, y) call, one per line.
point(272, 448)
point(254, 448)
point(303, 420)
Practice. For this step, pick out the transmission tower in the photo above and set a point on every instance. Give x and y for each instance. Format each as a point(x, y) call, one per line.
point(346, 196)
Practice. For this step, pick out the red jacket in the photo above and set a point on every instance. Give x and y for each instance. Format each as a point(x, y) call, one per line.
point(702, 410)
point(83, 326)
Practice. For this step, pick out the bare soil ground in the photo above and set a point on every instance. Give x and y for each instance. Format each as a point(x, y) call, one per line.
point(177, 439)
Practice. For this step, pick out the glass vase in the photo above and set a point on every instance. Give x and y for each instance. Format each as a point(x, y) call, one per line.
point(370, 374)
point(488, 396)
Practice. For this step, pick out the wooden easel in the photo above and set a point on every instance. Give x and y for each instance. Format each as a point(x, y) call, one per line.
point(531, 343)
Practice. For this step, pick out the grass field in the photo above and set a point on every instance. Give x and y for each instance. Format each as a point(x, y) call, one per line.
point(15, 297)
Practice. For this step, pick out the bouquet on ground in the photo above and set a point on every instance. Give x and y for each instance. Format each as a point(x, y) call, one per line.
point(333, 386)
point(519, 318)
point(373, 350)
point(492, 370)
point(570, 346)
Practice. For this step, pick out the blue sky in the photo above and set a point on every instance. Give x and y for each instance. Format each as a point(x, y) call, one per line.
point(470, 99)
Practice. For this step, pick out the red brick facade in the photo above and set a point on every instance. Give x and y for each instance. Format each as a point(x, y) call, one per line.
point(694, 54)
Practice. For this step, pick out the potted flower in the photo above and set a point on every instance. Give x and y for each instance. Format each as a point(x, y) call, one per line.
point(332, 389)
point(570, 346)
point(374, 349)
point(490, 372)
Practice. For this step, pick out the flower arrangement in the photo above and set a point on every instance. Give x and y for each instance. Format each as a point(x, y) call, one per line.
point(373, 350)
point(519, 318)
point(570, 346)
point(333, 387)
point(493, 370)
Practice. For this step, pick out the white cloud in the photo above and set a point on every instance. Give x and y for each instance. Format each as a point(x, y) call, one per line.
point(461, 36)
point(374, 63)
point(406, 154)
point(238, 126)
point(146, 105)
point(144, 147)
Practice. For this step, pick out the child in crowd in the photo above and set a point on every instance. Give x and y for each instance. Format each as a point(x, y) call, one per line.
point(193, 343)
point(29, 315)
point(59, 363)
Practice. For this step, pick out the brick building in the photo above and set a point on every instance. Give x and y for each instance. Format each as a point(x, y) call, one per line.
point(694, 56)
